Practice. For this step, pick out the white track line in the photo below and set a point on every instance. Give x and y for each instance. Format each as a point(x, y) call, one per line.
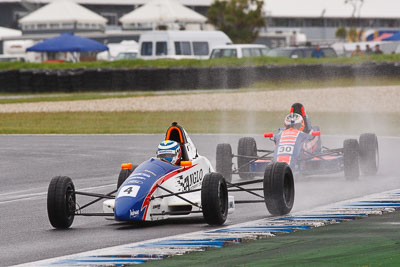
point(10, 197)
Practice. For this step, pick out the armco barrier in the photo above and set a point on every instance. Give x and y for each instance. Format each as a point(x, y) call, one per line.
point(82, 79)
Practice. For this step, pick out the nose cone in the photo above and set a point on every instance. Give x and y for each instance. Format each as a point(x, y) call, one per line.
point(126, 209)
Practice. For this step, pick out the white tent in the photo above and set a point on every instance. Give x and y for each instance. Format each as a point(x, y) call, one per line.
point(62, 11)
point(7, 32)
point(162, 11)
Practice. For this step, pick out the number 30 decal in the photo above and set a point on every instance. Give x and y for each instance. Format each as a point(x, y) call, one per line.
point(285, 150)
point(129, 191)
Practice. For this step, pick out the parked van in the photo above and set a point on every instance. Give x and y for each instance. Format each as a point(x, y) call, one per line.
point(12, 58)
point(17, 49)
point(239, 51)
point(180, 44)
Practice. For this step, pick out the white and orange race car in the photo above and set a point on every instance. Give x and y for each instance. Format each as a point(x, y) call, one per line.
point(301, 149)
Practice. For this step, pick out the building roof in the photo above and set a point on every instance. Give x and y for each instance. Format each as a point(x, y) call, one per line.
point(283, 8)
point(333, 8)
point(116, 2)
point(63, 11)
point(7, 32)
point(164, 11)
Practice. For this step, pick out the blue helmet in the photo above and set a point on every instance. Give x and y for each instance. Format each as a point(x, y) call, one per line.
point(169, 151)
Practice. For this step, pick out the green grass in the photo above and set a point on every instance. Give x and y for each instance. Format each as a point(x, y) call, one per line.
point(193, 121)
point(53, 97)
point(167, 63)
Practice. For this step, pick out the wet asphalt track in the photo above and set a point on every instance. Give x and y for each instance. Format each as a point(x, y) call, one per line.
point(28, 162)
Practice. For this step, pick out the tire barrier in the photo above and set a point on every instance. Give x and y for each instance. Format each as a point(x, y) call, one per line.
point(175, 78)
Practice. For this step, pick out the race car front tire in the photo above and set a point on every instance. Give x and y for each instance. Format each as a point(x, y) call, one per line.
point(214, 199)
point(224, 161)
point(278, 188)
point(369, 154)
point(61, 202)
point(351, 159)
point(123, 175)
point(247, 150)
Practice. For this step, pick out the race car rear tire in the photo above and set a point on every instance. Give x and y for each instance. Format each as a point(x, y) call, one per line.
point(278, 188)
point(61, 202)
point(351, 159)
point(247, 147)
point(123, 175)
point(369, 154)
point(214, 199)
point(224, 161)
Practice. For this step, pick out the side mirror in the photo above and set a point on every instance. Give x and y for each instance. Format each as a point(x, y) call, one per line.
point(268, 135)
point(316, 133)
point(126, 166)
point(186, 163)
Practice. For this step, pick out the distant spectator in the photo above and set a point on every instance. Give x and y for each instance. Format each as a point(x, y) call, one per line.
point(357, 52)
point(378, 50)
point(317, 52)
point(368, 50)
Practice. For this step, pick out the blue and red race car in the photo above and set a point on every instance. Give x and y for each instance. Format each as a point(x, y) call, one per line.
point(158, 189)
point(299, 145)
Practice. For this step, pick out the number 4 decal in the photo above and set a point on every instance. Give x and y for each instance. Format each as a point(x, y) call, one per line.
point(129, 191)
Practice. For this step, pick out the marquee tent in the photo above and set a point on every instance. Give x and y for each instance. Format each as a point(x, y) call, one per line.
point(62, 11)
point(163, 11)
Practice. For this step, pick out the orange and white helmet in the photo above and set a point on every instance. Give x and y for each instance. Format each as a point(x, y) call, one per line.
point(294, 120)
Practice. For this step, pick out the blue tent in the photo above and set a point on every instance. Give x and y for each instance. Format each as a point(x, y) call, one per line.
point(394, 37)
point(68, 42)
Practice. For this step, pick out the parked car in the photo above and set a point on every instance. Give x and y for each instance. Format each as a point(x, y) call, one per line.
point(127, 55)
point(180, 44)
point(115, 48)
point(239, 51)
point(299, 52)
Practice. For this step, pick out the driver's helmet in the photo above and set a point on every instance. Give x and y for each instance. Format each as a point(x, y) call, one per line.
point(294, 120)
point(169, 151)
